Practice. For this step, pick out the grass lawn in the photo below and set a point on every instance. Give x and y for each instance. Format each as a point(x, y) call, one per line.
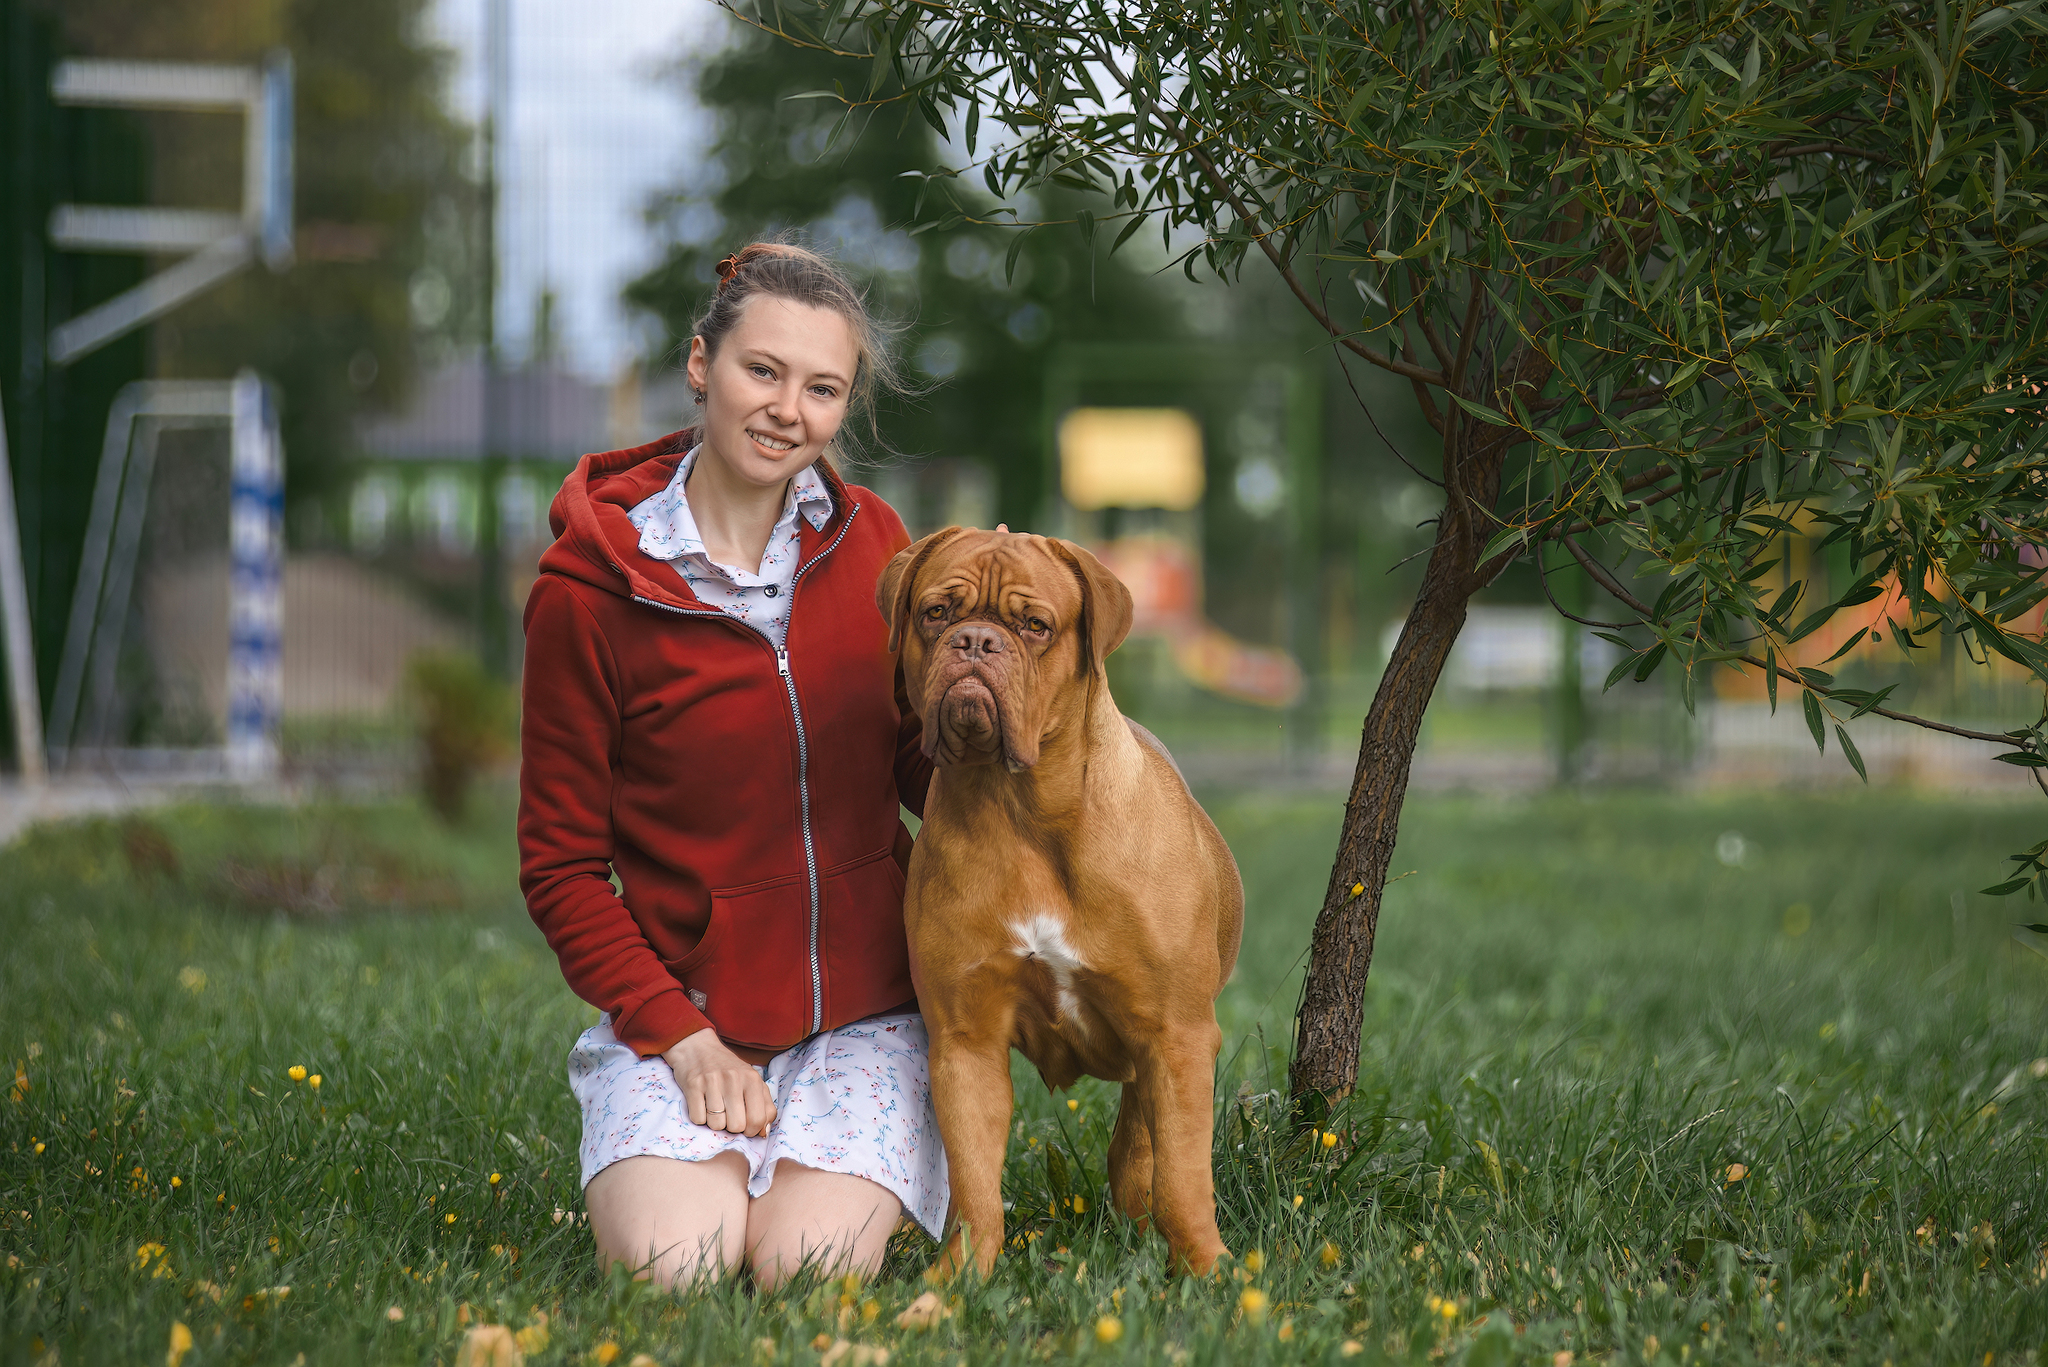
point(1622, 1100)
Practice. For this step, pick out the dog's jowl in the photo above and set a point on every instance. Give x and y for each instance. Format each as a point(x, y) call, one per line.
point(1067, 896)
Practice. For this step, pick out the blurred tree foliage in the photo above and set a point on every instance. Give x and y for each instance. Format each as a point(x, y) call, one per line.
point(986, 309)
point(386, 211)
point(1674, 281)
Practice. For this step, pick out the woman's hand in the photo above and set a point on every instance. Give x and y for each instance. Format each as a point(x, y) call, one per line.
point(722, 1090)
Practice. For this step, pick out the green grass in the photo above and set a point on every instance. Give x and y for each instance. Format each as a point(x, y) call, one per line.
point(1579, 1018)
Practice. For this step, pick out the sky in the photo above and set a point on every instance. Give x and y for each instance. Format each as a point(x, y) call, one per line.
point(595, 129)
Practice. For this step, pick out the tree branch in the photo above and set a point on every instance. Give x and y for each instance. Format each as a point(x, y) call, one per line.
point(1607, 581)
point(1245, 215)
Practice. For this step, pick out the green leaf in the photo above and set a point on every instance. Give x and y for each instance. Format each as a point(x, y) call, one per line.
point(2022, 758)
point(1814, 721)
point(1010, 257)
point(2007, 889)
point(1849, 749)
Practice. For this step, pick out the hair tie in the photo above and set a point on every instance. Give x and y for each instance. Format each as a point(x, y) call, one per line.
point(727, 269)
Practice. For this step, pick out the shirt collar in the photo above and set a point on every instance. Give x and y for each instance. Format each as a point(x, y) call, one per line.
point(668, 530)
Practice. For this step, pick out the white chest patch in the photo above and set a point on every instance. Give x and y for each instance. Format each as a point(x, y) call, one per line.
point(1043, 937)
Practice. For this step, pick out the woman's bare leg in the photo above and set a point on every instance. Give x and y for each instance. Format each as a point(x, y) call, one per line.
point(670, 1221)
point(831, 1220)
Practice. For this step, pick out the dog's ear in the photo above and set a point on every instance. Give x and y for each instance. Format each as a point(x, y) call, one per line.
point(899, 576)
point(1105, 605)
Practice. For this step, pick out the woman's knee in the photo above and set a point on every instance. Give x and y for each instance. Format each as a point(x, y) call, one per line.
point(670, 1221)
point(831, 1222)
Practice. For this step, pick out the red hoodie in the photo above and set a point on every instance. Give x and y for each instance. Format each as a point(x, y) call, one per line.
point(746, 800)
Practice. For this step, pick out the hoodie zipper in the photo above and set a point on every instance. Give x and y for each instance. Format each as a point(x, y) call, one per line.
point(803, 748)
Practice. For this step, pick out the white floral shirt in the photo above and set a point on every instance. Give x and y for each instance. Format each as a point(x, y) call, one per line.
point(758, 597)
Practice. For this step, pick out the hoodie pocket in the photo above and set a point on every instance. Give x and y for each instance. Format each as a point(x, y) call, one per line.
point(861, 939)
point(750, 974)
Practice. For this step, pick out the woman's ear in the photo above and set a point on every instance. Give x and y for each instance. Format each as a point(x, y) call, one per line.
point(698, 367)
point(899, 578)
point(1106, 608)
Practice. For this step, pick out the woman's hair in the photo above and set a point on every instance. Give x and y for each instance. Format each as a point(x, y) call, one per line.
point(784, 270)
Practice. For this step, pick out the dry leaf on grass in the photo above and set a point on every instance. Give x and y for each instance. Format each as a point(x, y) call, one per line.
point(489, 1345)
point(854, 1355)
point(924, 1312)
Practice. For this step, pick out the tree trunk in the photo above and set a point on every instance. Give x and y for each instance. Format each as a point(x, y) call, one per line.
point(1327, 1029)
point(1340, 955)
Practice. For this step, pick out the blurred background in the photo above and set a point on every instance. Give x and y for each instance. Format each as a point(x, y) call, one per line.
point(451, 245)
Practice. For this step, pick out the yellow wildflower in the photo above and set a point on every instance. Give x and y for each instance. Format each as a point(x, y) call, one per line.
point(1357, 889)
point(1254, 1261)
point(1351, 1348)
point(1080, 1205)
point(297, 1072)
point(1298, 1198)
point(314, 1082)
point(1736, 1172)
point(1331, 1254)
point(191, 979)
point(604, 1353)
point(1253, 1302)
point(1329, 1139)
point(496, 1178)
point(1073, 1105)
point(1108, 1329)
point(1286, 1334)
point(181, 1344)
point(451, 1217)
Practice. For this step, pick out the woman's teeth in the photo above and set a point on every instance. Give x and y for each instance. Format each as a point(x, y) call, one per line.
point(772, 443)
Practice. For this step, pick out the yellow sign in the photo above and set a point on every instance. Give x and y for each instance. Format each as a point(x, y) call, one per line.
point(1131, 458)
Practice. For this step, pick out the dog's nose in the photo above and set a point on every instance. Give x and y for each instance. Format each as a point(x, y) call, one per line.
point(978, 639)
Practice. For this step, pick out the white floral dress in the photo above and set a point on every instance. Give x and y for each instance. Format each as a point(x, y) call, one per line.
point(856, 1100)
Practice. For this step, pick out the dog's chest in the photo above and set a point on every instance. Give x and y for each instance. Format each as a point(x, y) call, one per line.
point(1061, 1024)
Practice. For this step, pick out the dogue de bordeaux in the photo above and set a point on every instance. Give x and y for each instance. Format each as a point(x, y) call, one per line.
point(1067, 896)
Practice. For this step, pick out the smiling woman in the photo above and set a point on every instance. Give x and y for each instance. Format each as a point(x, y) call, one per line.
point(756, 1090)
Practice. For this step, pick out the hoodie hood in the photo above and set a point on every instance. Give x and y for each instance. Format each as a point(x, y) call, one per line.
point(597, 543)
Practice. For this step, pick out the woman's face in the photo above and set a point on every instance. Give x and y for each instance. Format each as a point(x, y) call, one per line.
point(776, 392)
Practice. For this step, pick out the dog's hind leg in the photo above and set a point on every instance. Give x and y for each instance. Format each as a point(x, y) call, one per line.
point(1130, 1157)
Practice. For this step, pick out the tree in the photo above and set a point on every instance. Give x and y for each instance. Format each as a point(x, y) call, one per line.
point(1668, 278)
point(986, 317)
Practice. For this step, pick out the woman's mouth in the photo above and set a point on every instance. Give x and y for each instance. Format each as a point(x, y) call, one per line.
point(775, 444)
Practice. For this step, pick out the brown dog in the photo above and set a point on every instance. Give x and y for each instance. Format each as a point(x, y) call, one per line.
point(1067, 896)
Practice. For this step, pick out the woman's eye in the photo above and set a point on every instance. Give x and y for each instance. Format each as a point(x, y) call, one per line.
point(825, 391)
point(762, 372)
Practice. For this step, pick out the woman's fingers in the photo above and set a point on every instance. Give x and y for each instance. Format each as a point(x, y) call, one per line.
point(760, 1105)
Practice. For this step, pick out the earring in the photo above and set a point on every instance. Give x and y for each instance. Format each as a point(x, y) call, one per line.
point(698, 395)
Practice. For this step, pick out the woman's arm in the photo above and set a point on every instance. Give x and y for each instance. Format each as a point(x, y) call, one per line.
point(569, 751)
point(913, 770)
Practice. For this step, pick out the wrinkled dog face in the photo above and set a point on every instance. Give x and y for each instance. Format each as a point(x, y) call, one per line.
point(993, 627)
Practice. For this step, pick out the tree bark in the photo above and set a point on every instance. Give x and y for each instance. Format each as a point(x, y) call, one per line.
point(1332, 1012)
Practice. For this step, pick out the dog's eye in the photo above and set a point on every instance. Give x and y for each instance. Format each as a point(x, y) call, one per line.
point(935, 612)
point(1036, 624)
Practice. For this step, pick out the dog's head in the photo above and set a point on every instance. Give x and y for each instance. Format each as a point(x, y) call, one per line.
point(999, 632)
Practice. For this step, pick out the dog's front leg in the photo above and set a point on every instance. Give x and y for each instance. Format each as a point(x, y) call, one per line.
point(1178, 1076)
point(971, 1093)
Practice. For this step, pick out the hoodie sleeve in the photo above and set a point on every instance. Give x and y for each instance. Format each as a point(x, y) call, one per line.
point(569, 754)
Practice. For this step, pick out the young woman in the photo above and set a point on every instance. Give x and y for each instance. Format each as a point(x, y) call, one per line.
point(713, 720)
